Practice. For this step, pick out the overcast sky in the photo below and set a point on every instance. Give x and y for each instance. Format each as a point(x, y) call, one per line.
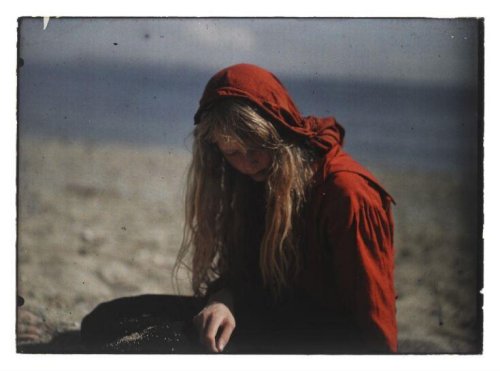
point(440, 51)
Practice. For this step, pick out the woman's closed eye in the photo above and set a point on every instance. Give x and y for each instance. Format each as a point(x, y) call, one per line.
point(248, 154)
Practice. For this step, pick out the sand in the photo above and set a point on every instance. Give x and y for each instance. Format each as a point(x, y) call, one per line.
point(101, 221)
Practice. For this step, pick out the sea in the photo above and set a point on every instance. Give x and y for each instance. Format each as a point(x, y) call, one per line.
point(395, 125)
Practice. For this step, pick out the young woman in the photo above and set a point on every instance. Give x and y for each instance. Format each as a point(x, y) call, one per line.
point(290, 240)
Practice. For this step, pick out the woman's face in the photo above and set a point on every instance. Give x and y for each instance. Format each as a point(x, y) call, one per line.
point(254, 162)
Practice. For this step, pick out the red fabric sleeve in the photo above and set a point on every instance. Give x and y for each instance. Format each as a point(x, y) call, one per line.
point(360, 240)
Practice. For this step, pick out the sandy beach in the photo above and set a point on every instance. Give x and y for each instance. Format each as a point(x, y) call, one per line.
point(102, 221)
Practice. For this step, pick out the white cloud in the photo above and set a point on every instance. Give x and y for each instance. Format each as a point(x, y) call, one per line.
point(218, 34)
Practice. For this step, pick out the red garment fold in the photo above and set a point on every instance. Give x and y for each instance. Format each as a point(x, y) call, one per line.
point(348, 237)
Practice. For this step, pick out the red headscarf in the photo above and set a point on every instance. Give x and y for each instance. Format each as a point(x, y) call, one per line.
point(264, 90)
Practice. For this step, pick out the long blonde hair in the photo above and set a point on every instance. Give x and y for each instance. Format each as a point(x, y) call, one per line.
point(220, 202)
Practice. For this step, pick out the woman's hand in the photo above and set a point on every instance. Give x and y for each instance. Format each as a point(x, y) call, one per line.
point(216, 318)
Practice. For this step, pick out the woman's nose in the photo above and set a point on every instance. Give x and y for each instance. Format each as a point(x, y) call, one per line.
point(247, 166)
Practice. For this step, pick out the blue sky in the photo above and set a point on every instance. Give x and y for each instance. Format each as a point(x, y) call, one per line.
point(403, 50)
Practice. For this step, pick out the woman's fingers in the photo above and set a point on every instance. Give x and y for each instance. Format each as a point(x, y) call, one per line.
point(212, 320)
point(224, 337)
point(211, 330)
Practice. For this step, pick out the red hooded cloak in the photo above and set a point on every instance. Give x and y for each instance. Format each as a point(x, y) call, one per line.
point(349, 254)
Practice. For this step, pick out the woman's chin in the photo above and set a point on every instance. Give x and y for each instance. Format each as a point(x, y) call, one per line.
point(259, 177)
